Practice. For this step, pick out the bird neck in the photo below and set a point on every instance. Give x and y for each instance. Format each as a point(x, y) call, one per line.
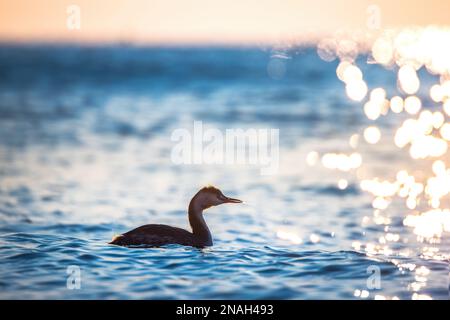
point(198, 223)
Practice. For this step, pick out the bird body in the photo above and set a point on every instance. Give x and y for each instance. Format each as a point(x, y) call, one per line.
point(155, 235)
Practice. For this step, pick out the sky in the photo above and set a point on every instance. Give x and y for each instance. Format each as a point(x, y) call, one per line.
point(207, 21)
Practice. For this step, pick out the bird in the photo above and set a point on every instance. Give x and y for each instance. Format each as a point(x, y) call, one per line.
point(156, 235)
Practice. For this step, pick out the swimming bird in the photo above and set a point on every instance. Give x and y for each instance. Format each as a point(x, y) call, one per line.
point(155, 235)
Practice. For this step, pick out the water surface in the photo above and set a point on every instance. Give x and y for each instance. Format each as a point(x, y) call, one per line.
point(85, 155)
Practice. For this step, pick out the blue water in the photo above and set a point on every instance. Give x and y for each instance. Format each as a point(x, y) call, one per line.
point(85, 155)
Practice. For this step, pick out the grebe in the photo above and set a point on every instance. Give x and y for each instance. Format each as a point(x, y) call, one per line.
point(154, 235)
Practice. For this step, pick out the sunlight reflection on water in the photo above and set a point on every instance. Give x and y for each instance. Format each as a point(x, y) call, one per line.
point(94, 161)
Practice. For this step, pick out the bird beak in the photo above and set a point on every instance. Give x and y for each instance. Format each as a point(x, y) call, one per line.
point(232, 200)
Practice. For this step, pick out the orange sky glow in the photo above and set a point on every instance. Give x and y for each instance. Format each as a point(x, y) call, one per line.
point(206, 21)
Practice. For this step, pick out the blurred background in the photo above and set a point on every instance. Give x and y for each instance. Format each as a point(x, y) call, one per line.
point(91, 91)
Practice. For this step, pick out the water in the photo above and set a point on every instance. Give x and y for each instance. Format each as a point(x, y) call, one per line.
point(85, 154)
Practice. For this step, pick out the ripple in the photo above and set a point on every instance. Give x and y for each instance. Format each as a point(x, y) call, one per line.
point(94, 161)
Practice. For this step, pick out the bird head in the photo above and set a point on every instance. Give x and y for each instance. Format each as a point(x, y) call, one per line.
point(211, 196)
